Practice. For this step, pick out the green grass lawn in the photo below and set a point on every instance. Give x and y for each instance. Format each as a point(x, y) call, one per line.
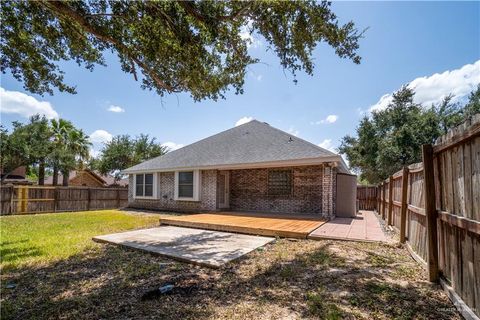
point(45, 238)
point(51, 269)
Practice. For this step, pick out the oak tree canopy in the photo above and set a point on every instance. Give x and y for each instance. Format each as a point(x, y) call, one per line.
point(194, 47)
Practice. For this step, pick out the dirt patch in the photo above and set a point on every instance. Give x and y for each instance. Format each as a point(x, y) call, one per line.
point(284, 280)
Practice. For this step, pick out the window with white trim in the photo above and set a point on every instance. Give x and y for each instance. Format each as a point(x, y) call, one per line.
point(187, 185)
point(144, 185)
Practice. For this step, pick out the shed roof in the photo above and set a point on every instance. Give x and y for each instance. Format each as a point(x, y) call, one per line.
point(247, 145)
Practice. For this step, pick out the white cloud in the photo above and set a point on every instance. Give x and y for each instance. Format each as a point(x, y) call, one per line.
point(94, 152)
point(293, 132)
point(172, 145)
point(114, 108)
point(24, 105)
point(100, 136)
point(362, 112)
point(382, 103)
point(332, 118)
point(256, 76)
point(245, 34)
point(243, 120)
point(327, 144)
point(432, 89)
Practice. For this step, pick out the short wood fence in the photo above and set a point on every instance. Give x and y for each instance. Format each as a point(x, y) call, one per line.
point(16, 199)
point(367, 197)
point(435, 206)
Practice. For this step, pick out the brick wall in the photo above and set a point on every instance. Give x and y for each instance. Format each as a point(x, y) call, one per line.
point(329, 183)
point(165, 194)
point(312, 191)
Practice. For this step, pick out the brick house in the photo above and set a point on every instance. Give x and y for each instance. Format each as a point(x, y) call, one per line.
point(251, 167)
point(88, 178)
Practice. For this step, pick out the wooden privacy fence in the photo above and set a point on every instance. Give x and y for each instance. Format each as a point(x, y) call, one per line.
point(367, 197)
point(40, 199)
point(435, 206)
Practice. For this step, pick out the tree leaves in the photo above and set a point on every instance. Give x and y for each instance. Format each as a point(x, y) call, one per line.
point(170, 46)
point(392, 138)
point(57, 143)
point(123, 152)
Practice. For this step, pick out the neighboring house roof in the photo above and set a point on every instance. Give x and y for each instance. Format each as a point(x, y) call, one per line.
point(105, 180)
point(49, 179)
point(110, 181)
point(17, 176)
point(17, 173)
point(248, 145)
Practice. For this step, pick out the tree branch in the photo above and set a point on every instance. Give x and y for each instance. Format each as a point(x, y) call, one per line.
point(189, 7)
point(240, 13)
point(62, 9)
point(134, 71)
point(103, 15)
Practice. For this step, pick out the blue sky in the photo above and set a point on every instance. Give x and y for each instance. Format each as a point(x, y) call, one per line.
point(434, 44)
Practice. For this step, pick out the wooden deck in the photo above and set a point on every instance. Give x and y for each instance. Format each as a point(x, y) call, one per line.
point(276, 225)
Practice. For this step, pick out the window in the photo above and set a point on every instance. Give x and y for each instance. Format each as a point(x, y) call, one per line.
point(187, 185)
point(144, 185)
point(139, 185)
point(280, 182)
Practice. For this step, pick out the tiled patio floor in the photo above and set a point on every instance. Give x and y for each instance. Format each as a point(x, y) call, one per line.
point(364, 227)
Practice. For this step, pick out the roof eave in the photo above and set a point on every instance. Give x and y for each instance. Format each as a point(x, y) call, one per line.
point(269, 164)
point(344, 166)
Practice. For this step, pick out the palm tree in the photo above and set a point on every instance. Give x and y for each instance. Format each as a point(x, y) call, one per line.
point(79, 144)
point(60, 129)
point(76, 151)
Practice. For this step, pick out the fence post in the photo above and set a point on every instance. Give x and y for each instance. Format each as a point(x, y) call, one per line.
point(55, 197)
point(431, 212)
point(89, 198)
point(380, 199)
point(377, 202)
point(380, 204)
point(390, 200)
point(12, 192)
point(383, 200)
point(22, 199)
point(118, 198)
point(403, 214)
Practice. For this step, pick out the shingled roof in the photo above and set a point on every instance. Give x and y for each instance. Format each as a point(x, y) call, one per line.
point(248, 145)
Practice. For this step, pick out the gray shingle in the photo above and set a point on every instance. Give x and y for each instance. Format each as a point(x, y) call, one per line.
point(253, 142)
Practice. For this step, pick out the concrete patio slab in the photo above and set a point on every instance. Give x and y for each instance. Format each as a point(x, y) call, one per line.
point(364, 227)
point(202, 247)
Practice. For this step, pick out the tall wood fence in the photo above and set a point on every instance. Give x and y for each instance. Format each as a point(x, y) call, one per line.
point(16, 199)
point(435, 206)
point(367, 197)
